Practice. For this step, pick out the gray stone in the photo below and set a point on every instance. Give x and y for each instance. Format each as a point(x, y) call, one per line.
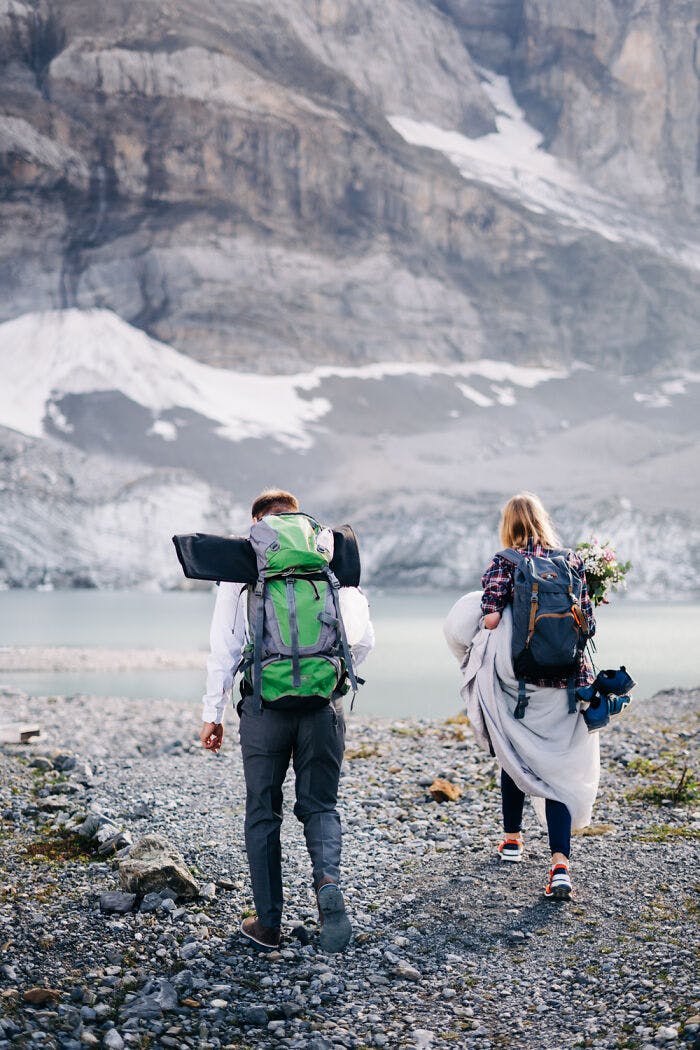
point(113, 843)
point(63, 761)
point(113, 1040)
point(255, 1015)
point(190, 950)
point(301, 934)
point(91, 825)
point(106, 832)
point(150, 902)
point(41, 762)
point(183, 980)
point(407, 972)
point(154, 864)
point(117, 902)
point(53, 804)
point(156, 999)
point(208, 891)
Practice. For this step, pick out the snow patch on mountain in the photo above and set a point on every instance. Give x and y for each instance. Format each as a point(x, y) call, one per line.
point(512, 160)
point(44, 356)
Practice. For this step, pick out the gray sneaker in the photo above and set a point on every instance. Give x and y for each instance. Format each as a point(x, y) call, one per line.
point(336, 930)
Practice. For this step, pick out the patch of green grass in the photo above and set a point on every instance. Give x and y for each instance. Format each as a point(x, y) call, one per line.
point(56, 849)
point(668, 833)
point(644, 766)
point(668, 784)
point(692, 904)
point(363, 751)
point(594, 829)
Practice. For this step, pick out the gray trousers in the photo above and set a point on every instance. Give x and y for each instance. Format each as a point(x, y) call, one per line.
point(315, 742)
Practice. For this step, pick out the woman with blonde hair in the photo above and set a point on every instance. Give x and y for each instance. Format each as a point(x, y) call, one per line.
point(527, 719)
point(527, 528)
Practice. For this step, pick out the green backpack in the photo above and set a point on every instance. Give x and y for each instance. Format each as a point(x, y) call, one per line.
point(299, 657)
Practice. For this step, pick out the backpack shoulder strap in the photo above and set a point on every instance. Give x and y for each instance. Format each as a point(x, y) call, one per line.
point(511, 555)
point(342, 637)
point(258, 630)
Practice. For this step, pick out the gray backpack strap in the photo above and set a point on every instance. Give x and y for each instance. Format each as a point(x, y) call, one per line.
point(294, 632)
point(511, 555)
point(562, 560)
point(344, 647)
point(571, 694)
point(522, 700)
point(258, 641)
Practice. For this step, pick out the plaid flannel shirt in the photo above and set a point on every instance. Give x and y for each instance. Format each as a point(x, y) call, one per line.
point(497, 583)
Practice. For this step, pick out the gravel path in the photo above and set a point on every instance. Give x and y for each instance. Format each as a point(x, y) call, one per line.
point(452, 948)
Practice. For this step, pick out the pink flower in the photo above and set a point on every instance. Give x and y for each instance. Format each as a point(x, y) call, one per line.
point(609, 555)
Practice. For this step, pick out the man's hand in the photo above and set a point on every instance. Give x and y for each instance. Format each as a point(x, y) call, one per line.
point(492, 620)
point(211, 735)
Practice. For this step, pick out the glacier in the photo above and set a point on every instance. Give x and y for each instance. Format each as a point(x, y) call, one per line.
point(110, 442)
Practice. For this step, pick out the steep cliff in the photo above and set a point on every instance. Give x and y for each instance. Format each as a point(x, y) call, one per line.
point(613, 85)
point(225, 177)
point(406, 258)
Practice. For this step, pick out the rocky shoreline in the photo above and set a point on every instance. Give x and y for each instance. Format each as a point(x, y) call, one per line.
point(43, 658)
point(450, 948)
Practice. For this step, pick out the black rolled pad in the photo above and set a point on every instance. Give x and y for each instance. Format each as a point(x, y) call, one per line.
point(228, 558)
point(231, 559)
point(346, 556)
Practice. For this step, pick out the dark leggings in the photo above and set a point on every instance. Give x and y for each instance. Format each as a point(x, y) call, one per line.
point(558, 816)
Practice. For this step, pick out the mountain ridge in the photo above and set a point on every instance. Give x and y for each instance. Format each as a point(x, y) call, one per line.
point(228, 180)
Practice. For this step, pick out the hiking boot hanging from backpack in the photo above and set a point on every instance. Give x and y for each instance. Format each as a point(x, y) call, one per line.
point(606, 697)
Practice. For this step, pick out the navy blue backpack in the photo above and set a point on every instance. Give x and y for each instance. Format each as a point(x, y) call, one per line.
point(549, 627)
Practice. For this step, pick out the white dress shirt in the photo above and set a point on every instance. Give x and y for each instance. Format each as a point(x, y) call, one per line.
point(229, 634)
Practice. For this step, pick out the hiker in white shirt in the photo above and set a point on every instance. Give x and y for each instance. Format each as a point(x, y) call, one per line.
point(310, 735)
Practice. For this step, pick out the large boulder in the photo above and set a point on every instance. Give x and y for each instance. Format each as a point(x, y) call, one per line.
point(153, 865)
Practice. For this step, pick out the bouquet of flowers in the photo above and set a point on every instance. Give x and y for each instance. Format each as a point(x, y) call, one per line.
point(604, 572)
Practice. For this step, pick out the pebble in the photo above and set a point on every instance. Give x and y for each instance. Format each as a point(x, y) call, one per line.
point(113, 901)
point(407, 972)
point(113, 1040)
point(255, 1015)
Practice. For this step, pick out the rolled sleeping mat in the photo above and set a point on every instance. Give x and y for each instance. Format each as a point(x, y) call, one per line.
point(345, 562)
point(231, 559)
point(206, 557)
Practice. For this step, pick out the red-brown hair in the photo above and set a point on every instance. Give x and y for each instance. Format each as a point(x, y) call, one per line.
point(273, 501)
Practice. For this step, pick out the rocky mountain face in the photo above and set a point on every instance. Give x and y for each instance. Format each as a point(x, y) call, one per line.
point(612, 84)
point(225, 177)
point(443, 251)
point(116, 442)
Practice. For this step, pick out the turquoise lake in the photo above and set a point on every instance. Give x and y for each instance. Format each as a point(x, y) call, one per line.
point(411, 672)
